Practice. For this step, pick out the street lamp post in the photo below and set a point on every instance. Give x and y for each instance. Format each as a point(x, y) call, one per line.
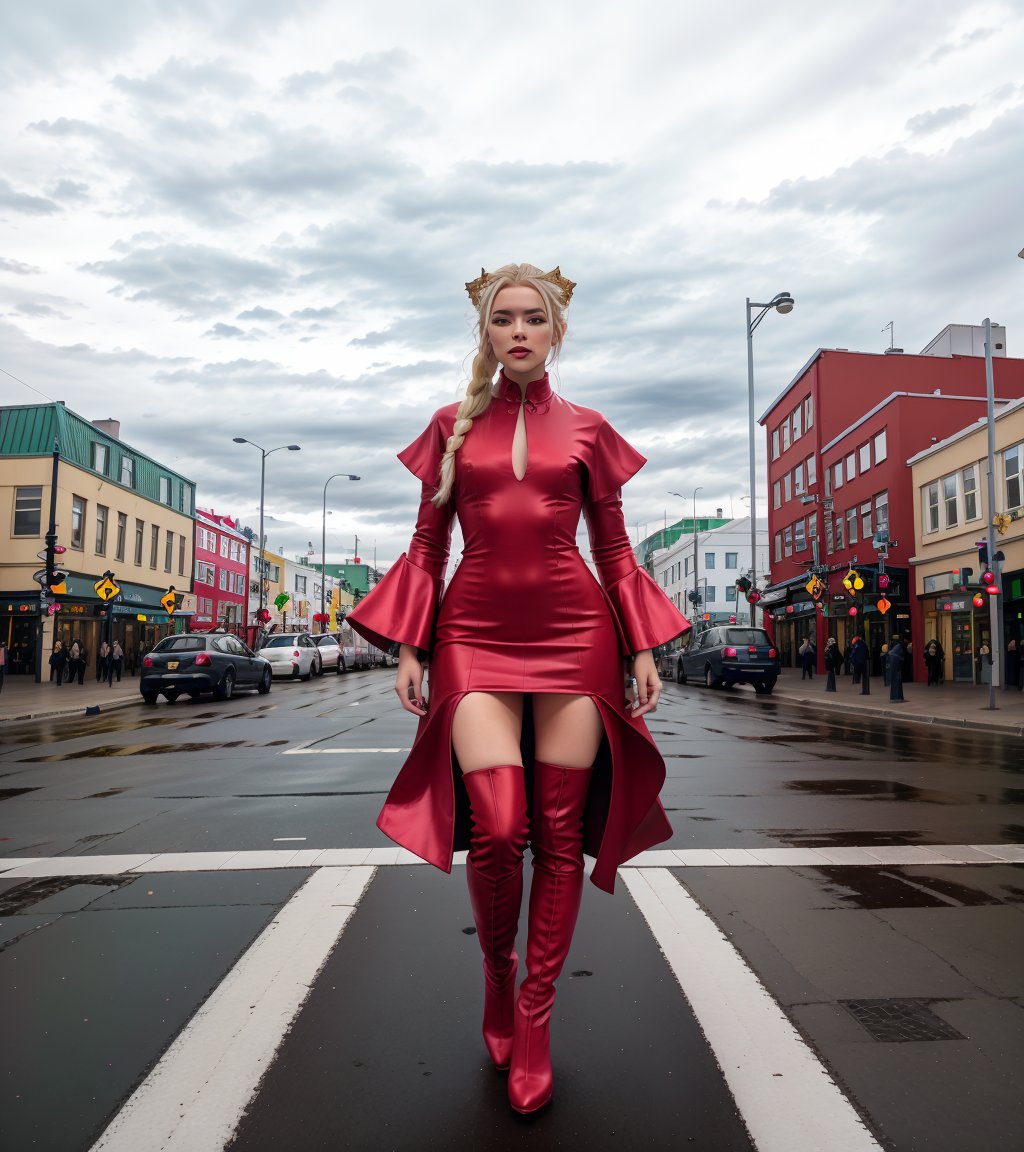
point(782, 303)
point(696, 584)
point(323, 546)
point(264, 453)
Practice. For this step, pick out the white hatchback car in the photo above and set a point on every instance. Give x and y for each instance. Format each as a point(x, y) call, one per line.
point(292, 654)
point(330, 652)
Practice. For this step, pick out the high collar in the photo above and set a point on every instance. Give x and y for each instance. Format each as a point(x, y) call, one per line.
point(537, 391)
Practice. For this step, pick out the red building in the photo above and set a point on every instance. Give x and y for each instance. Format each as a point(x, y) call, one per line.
point(839, 437)
point(222, 566)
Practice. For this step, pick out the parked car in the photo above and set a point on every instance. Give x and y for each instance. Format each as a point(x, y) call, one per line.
point(331, 655)
point(200, 662)
point(668, 658)
point(348, 653)
point(292, 654)
point(730, 654)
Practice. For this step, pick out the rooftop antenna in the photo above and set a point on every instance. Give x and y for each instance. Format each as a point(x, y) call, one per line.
point(891, 350)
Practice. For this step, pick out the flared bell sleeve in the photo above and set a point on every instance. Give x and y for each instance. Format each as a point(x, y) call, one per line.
point(645, 615)
point(402, 608)
point(611, 462)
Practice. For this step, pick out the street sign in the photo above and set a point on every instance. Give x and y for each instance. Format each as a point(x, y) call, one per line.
point(169, 601)
point(60, 589)
point(883, 605)
point(41, 577)
point(814, 587)
point(106, 589)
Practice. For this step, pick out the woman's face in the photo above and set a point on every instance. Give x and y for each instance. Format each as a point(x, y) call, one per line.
point(520, 332)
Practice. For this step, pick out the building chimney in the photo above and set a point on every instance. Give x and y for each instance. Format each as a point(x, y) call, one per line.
point(718, 513)
point(111, 426)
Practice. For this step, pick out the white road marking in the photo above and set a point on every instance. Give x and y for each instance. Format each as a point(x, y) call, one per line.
point(194, 1097)
point(873, 857)
point(338, 751)
point(785, 1095)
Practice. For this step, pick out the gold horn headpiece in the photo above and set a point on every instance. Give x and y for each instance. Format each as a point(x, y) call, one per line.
point(476, 287)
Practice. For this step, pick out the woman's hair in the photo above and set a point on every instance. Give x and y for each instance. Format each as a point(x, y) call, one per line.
point(485, 363)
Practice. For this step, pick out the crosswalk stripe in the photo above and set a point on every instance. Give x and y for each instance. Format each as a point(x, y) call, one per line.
point(786, 1097)
point(194, 1097)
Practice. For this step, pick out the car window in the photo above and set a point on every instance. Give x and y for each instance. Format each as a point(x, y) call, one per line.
point(326, 641)
point(220, 644)
point(181, 644)
point(236, 646)
point(279, 642)
point(746, 636)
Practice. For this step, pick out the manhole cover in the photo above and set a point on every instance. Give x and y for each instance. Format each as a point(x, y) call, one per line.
point(901, 1020)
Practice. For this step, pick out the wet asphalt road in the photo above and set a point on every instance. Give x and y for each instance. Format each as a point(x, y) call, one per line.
point(904, 980)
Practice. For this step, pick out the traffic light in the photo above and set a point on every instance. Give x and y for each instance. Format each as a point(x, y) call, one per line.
point(693, 596)
point(966, 575)
point(988, 580)
point(744, 585)
point(753, 596)
point(983, 555)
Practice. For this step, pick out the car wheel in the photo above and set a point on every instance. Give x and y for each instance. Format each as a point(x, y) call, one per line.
point(764, 687)
point(709, 678)
point(308, 675)
point(171, 696)
point(194, 695)
point(264, 685)
point(339, 667)
point(226, 689)
point(680, 673)
point(150, 697)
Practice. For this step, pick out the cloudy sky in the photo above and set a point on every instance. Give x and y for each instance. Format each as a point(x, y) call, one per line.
point(248, 218)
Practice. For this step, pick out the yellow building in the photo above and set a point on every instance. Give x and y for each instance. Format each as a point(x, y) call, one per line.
point(115, 510)
point(951, 517)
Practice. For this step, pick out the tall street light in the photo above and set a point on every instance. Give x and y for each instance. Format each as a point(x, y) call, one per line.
point(696, 584)
point(782, 303)
point(264, 453)
point(323, 546)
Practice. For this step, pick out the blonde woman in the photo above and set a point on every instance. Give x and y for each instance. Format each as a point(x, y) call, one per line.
point(527, 738)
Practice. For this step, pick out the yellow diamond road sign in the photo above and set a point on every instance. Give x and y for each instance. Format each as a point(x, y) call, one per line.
point(168, 601)
point(106, 589)
point(814, 587)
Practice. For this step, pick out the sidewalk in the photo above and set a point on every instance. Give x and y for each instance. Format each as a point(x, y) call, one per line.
point(954, 705)
point(23, 699)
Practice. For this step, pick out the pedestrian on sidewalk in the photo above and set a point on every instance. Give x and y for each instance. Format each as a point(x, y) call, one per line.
point(884, 657)
point(117, 659)
point(861, 669)
point(83, 662)
point(1012, 664)
point(934, 660)
point(806, 654)
point(75, 657)
point(895, 660)
point(103, 663)
point(58, 658)
point(833, 663)
point(3, 662)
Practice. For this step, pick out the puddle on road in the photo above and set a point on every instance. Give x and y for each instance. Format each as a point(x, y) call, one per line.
point(10, 793)
point(873, 790)
point(109, 750)
point(844, 838)
point(893, 888)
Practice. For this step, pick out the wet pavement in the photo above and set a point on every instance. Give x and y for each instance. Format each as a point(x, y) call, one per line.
point(903, 980)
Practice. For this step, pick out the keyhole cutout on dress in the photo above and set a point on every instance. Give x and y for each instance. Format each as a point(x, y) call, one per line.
point(519, 452)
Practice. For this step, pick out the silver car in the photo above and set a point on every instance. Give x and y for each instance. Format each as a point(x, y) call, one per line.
point(292, 654)
point(331, 655)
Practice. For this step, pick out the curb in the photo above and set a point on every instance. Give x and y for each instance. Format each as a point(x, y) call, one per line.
point(907, 717)
point(112, 705)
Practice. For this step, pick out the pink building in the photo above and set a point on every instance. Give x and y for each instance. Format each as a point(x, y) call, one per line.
point(222, 566)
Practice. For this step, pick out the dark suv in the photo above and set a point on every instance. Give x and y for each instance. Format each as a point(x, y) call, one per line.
point(198, 662)
point(730, 654)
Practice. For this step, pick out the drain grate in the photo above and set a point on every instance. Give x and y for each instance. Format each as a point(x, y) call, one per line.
point(900, 1021)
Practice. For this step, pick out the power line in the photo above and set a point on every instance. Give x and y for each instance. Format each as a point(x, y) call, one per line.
point(32, 386)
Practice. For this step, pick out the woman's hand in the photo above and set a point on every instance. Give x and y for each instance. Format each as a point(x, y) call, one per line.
point(409, 681)
point(648, 684)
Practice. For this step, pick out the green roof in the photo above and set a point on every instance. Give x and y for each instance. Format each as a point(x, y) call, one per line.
point(30, 430)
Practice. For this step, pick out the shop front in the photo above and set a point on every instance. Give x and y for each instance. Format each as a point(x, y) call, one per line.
point(961, 630)
point(20, 628)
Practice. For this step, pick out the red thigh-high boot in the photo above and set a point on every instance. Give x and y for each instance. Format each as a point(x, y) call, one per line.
point(494, 873)
point(556, 839)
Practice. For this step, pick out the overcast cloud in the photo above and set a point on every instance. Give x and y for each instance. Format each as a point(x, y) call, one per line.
point(230, 218)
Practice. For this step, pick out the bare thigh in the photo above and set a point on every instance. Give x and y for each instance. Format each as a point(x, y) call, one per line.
point(568, 729)
point(486, 730)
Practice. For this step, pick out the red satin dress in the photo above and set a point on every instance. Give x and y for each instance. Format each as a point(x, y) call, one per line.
point(523, 613)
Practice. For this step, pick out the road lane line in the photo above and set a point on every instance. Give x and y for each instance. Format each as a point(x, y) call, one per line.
point(785, 1095)
point(337, 751)
point(194, 1097)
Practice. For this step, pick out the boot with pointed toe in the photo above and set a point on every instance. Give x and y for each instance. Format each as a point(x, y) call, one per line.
point(556, 839)
point(494, 874)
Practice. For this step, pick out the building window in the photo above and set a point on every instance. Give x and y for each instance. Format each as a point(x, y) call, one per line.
point(99, 458)
point(168, 550)
point(865, 521)
point(204, 572)
point(732, 559)
point(930, 507)
point(797, 422)
point(223, 579)
point(181, 555)
point(128, 471)
point(777, 494)
point(798, 479)
point(165, 490)
point(140, 529)
point(838, 475)
point(882, 512)
point(808, 413)
point(224, 547)
point(799, 536)
point(77, 521)
point(775, 444)
point(787, 486)
point(864, 451)
point(812, 526)
point(785, 435)
point(686, 562)
point(300, 584)
point(840, 545)
point(778, 546)
point(969, 476)
point(730, 594)
point(880, 448)
point(28, 511)
point(851, 466)
point(709, 560)
point(812, 472)
point(851, 526)
point(181, 496)
point(234, 550)
point(1013, 471)
point(950, 501)
point(787, 540)
point(827, 477)
point(154, 544)
point(102, 516)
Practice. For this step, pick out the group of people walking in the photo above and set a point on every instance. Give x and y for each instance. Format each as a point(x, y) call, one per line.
point(68, 663)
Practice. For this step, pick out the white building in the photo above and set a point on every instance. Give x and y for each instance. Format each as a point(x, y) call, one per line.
point(723, 556)
point(303, 583)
